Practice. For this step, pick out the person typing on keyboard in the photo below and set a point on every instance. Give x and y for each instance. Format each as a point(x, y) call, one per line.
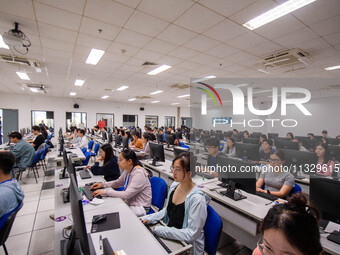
point(186, 210)
point(274, 178)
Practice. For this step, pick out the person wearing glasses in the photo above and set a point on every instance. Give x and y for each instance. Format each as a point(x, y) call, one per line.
point(277, 181)
point(135, 180)
point(185, 211)
point(290, 228)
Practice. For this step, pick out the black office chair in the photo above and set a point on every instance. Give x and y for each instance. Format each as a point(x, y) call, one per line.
point(6, 229)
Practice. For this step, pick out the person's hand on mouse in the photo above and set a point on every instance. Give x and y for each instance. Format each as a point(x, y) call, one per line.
point(98, 192)
point(97, 185)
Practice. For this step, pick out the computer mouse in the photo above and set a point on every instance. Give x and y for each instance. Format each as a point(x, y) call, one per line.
point(99, 218)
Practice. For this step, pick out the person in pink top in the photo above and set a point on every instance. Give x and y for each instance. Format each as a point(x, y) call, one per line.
point(325, 165)
point(145, 140)
point(135, 182)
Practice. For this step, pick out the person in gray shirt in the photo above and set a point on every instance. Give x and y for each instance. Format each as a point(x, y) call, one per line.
point(276, 179)
point(23, 151)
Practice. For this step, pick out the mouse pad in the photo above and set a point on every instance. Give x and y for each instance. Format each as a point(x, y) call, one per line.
point(112, 222)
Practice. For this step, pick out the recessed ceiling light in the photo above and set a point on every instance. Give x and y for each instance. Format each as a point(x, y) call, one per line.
point(122, 88)
point(23, 75)
point(104, 97)
point(3, 44)
point(132, 99)
point(330, 68)
point(94, 56)
point(183, 96)
point(276, 13)
point(263, 71)
point(79, 83)
point(73, 93)
point(153, 102)
point(210, 77)
point(159, 69)
point(156, 92)
point(35, 90)
point(174, 103)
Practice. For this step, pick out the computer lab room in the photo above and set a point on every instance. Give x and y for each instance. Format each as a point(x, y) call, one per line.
point(169, 127)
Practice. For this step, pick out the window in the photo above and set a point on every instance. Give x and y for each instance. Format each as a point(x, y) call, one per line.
point(130, 120)
point(186, 122)
point(46, 116)
point(151, 121)
point(169, 121)
point(107, 118)
point(78, 119)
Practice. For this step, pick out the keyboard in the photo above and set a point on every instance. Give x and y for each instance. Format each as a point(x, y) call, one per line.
point(84, 174)
point(205, 175)
point(159, 240)
point(266, 195)
point(88, 193)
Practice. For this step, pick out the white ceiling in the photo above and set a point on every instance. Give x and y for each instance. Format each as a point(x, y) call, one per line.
point(197, 38)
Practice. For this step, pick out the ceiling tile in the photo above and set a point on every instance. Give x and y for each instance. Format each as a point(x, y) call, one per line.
point(117, 58)
point(326, 27)
point(108, 11)
point(92, 27)
point(242, 57)
point(177, 35)
point(201, 43)
point(222, 51)
point(57, 45)
point(145, 24)
point(164, 9)
point(76, 6)
point(333, 39)
point(148, 55)
point(188, 65)
point(18, 8)
point(293, 40)
point(226, 7)
point(119, 48)
point(27, 26)
point(183, 53)
point(168, 60)
point(198, 19)
point(205, 59)
point(160, 46)
point(52, 16)
point(57, 33)
point(132, 38)
point(247, 40)
point(264, 49)
point(131, 3)
point(92, 42)
point(315, 44)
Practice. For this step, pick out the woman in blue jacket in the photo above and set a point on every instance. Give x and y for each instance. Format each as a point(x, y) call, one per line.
point(186, 210)
point(110, 168)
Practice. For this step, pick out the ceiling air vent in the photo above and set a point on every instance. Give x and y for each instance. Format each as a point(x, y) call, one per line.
point(147, 63)
point(9, 59)
point(143, 97)
point(180, 86)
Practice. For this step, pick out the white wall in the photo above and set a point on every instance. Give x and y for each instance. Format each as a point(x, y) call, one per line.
point(26, 103)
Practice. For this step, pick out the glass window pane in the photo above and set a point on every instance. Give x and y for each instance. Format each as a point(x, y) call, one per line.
point(46, 116)
point(151, 121)
point(130, 120)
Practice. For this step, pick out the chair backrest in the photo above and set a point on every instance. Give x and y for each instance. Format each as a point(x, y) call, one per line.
point(90, 145)
point(43, 155)
point(221, 146)
point(50, 136)
point(96, 148)
point(158, 189)
point(84, 150)
point(7, 226)
point(87, 157)
point(295, 189)
point(37, 157)
point(212, 231)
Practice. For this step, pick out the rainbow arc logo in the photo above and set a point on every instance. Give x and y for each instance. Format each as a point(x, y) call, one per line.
point(209, 93)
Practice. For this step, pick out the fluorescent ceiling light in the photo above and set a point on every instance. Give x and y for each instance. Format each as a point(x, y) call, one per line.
point(174, 103)
point(330, 68)
point(263, 71)
point(73, 93)
point(79, 83)
point(132, 99)
point(94, 56)
point(183, 96)
point(35, 90)
point(276, 13)
point(104, 97)
point(210, 77)
point(156, 92)
point(159, 69)
point(3, 44)
point(23, 76)
point(153, 102)
point(122, 88)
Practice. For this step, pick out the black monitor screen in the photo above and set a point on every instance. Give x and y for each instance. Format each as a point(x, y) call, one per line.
point(178, 150)
point(125, 142)
point(281, 144)
point(325, 195)
point(333, 141)
point(251, 140)
point(159, 138)
point(107, 249)
point(335, 152)
point(92, 131)
point(273, 135)
point(170, 139)
point(110, 138)
point(300, 161)
point(156, 152)
point(247, 151)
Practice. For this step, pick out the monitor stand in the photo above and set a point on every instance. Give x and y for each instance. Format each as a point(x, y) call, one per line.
point(155, 163)
point(76, 246)
point(230, 192)
point(63, 174)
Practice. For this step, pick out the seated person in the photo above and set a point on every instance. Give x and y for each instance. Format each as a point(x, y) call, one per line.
point(290, 136)
point(137, 142)
point(128, 136)
point(230, 147)
point(213, 147)
point(136, 183)
point(246, 134)
point(96, 130)
point(83, 141)
point(324, 133)
point(145, 140)
point(47, 131)
point(40, 139)
point(266, 151)
point(24, 153)
point(186, 210)
point(152, 136)
point(10, 192)
point(110, 168)
point(301, 148)
point(277, 181)
point(262, 138)
point(325, 165)
point(44, 132)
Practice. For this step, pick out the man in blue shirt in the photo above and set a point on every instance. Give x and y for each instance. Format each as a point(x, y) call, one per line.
point(10, 192)
point(23, 151)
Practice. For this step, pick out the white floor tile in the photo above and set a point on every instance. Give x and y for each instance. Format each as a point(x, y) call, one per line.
point(42, 241)
point(46, 205)
point(31, 187)
point(28, 208)
point(47, 193)
point(13, 247)
point(48, 253)
point(22, 224)
point(43, 220)
point(32, 196)
point(49, 178)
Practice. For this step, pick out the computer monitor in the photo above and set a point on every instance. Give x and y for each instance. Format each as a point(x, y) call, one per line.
point(255, 135)
point(318, 137)
point(92, 132)
point(273, 135)
point(64, 174)
point(110, 138)
point(251, 140)
point(156, 153)
point(117, 140)
point(79, 242)
point(300, 161)
point(88, 130)
point(159, 138)
point(125, 142)
point(335, 152)
point(325, 195)
point(219, 136)
point(104, 135)
point(282, 139)
point(247, 151)
point(228, 134)
point(204, 138)
point(70, 167)
point(178, 150)
point(179, 135)
point(280, 144)
point(333, 141)
point(192, 137)
point(170, 139)
point(107, 249)
point(61, 145)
